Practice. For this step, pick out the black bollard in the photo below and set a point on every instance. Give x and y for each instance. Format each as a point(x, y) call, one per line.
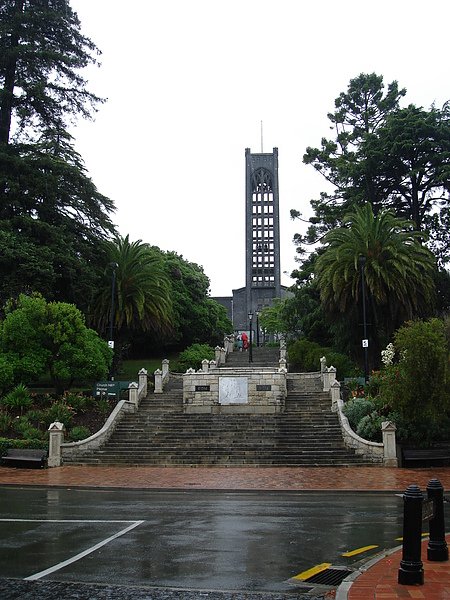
point(437, 546)
point(411, 566)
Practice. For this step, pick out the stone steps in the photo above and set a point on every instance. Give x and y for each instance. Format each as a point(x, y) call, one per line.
point(306, 433)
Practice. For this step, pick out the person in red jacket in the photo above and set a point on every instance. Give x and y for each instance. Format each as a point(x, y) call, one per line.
point(244, 337)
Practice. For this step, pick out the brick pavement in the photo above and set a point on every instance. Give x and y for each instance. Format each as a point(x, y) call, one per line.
point(379, 582)
point(229, 478)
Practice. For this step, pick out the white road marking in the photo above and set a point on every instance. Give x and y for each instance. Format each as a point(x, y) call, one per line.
point(69, 561)
point(63, 521)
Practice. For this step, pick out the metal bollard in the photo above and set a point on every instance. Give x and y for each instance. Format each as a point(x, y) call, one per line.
point(437, 546)
point(411, 566)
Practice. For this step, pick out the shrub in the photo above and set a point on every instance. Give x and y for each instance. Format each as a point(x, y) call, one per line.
point(356, 409)
point(103, 405)
point(373, 385)
point(25, 429)
point(5, 422)
point(79, 433)
point(345, 367)
point(37, 418)
point(6, 443)
point(79, 402)
point(6, 373)
point(192, 357)
point(18, 399)
point(369, 428)
point(417, 387)
point(59, 411)
point(304, 355)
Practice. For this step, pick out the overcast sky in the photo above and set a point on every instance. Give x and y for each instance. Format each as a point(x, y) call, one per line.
point(188, 83)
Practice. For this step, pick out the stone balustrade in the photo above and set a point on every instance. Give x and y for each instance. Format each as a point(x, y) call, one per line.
point(136, 391)
point(376, 452)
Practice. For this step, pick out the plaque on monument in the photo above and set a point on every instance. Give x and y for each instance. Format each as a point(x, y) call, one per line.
point(202, 388)
point(263, 388)
point(233, 390)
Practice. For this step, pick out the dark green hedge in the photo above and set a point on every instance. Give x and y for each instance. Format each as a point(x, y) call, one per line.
point(6, 443)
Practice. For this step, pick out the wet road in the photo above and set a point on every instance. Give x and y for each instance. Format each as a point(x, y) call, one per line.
point(193, 540)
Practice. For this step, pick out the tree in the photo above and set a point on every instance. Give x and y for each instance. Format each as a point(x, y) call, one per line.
point(52, 219)
point(39, 337)
point(391, 157)
point(142, 300)
point(410, 158)
point(271, 318)
point(358, 114)
point(41, 52)
point(51, 215)
point(197, 317)
point(398, 271)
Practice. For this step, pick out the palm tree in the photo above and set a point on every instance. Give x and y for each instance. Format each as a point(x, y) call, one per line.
point(142, 298)
point(398, 270)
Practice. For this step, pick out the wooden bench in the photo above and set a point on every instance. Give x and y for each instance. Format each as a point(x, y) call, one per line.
point(25, 457)
point(424, 457)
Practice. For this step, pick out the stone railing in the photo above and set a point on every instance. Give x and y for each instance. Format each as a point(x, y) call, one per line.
point(376, 452)
point(161, 377)
point(60, 449)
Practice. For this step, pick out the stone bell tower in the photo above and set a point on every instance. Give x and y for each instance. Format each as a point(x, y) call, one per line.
point(262, 238)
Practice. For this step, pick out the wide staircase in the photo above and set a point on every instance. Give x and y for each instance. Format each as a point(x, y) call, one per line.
point(307, 433)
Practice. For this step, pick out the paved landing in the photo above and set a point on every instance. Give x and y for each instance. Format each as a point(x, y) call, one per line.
point(230, 478)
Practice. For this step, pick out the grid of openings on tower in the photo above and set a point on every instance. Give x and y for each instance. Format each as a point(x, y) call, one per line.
point(263, 247)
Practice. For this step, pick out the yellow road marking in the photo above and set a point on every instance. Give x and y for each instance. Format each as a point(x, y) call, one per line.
point(313, 571)
point(359, 551)
point(400, 539)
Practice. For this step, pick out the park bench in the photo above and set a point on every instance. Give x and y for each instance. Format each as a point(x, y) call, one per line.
point(425, 457)
point(25, 457)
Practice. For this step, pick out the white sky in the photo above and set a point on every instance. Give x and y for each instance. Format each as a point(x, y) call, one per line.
point(188, 83)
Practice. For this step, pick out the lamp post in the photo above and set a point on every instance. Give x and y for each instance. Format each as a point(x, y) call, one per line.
point(257, 328)
point(113, 266)
point(365, 341)
point(250, 354)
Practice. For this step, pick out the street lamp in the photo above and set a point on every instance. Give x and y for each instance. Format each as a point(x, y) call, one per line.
point(113, 266)
point(365, 341)
point(257, 328)
point(250, 354)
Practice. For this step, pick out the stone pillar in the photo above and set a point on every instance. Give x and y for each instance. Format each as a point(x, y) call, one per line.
point(390, 451)
point(212, 364)
point(335, 395)
point(218, 352)
point(158, 382)
point(133, 395)
point(205, 365)
point(143, 381)
point(56, 433)
point(223, 356)
point(329, 377)
point(323, 365)
point(231, 343)
point(165, 369)
point(282, 363)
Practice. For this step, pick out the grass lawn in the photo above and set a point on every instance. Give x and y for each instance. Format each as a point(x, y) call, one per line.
point(130, 368)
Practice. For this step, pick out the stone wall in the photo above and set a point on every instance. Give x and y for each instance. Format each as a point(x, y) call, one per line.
point(235, 391)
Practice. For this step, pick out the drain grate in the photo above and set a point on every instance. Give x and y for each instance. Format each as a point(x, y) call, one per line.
point(329, 577)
